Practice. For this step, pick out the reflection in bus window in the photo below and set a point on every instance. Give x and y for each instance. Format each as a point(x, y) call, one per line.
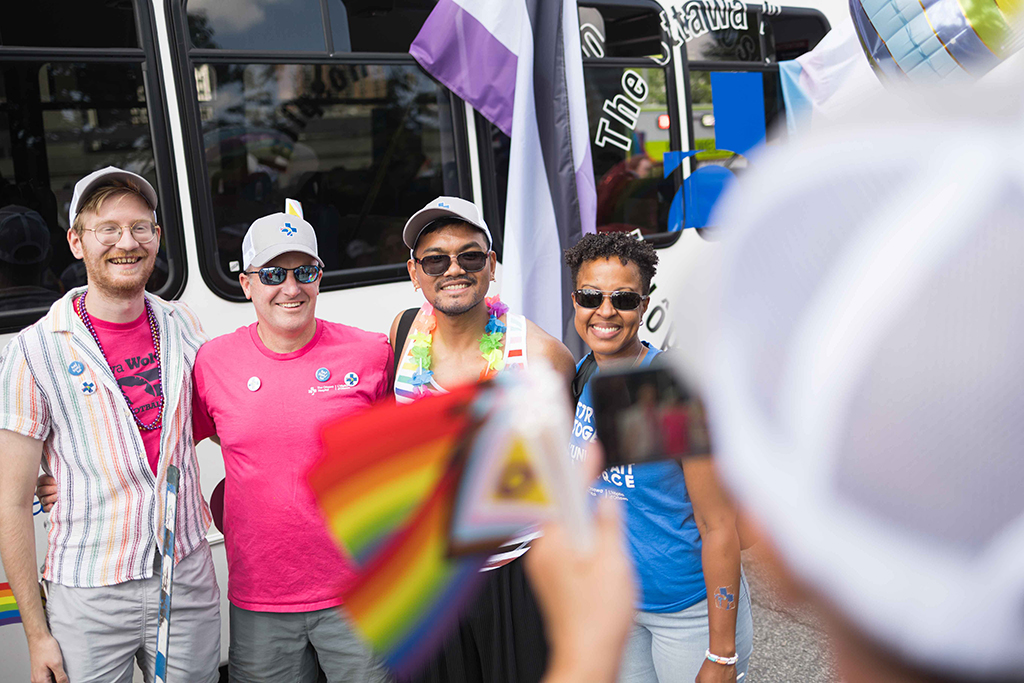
point(739, 42)
point(256, 24)
point(629, 132)
point(362, 147)
point(59, 122)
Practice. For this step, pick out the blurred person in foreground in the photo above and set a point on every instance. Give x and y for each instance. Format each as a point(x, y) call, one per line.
point(862, 369)
point(681, 529)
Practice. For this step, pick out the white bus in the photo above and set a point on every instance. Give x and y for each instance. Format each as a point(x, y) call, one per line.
point(230, 106)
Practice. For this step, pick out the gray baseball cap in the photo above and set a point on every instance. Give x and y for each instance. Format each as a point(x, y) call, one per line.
point(106, 176)
point(276, 234)
point(443, 207)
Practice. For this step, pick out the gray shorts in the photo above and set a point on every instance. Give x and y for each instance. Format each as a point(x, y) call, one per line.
point(103, 631)
point(269, 647)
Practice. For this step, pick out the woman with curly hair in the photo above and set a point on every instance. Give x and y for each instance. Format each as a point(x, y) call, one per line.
point(693, 612)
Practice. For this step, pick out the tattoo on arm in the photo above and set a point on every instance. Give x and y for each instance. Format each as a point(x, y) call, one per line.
point(725, 598)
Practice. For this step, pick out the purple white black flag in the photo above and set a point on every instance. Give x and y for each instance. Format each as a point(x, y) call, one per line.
point(518, 63)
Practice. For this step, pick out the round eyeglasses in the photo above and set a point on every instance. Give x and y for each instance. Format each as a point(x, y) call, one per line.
point(109, 234)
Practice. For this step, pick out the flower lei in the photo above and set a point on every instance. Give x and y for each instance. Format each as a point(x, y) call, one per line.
point(422, 337)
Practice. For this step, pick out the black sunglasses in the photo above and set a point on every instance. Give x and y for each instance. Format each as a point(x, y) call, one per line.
point(438, 264)
point(622, 301)
point(275, 275)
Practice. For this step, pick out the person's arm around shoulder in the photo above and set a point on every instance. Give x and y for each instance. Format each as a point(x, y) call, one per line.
point(720, 557)
point(21, 456)
point(540, 343)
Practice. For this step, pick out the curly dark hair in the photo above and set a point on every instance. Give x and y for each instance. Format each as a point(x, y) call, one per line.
point(608, 244)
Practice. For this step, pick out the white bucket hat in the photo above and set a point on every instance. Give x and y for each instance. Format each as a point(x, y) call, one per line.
point(865, 381)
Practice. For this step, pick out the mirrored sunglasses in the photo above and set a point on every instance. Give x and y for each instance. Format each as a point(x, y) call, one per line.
point(275, 275)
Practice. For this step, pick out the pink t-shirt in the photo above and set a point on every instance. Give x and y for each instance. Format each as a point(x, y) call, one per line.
point(268, 409)
point(132, 358)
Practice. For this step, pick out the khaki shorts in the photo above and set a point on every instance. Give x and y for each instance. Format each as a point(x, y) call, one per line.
point(272, 647)
point(103, 631)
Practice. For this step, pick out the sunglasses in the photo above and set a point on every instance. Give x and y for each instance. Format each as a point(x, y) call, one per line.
point(275, 275)
point(438, 264)
point(622, 301)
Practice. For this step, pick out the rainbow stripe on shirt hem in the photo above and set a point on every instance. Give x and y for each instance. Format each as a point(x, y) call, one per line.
point(9, 613)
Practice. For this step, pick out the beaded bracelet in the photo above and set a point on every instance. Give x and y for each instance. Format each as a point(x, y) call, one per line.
point(724, 661)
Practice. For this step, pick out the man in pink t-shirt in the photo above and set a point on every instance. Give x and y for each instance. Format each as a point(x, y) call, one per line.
point(266, 390)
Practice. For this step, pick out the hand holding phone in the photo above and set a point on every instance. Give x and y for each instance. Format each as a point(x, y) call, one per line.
point(645, 415)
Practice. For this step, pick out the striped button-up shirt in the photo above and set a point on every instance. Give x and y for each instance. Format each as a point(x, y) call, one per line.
point(107, 522)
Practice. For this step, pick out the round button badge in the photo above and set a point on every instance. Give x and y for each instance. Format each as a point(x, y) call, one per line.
point(76, 368)
point(253, 383)
point(323, 374)
point(351, 379)
point(88, 388)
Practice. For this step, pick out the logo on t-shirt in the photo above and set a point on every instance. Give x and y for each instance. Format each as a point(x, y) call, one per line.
point(139, 373)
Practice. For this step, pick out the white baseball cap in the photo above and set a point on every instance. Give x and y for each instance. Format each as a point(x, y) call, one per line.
point(443, 207)
point(864, 393)
point(105, 176)
point(276, 234)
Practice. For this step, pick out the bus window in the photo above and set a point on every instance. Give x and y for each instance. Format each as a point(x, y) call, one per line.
point(739, 41)
point(281, 25)
point(735, 96)
point(363, 142)
point(362, 147)
point(68, 110)
point(631, 98)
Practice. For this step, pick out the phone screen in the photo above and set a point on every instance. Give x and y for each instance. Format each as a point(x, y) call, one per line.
point(645, 415)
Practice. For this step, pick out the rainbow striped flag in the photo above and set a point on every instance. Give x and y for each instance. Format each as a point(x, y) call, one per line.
point(410, 595)
point(379, 466)
point(386, 484)
point(9, 613)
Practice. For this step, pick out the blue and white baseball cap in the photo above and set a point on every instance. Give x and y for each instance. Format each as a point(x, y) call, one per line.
point(276, 234)
point(444, 207)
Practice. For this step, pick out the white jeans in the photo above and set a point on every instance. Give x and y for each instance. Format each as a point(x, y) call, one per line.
point(102, 631)
point(669, 648)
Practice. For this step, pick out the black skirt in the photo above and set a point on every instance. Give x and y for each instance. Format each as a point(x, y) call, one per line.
point(499, 638)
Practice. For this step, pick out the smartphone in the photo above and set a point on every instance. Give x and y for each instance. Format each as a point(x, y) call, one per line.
point(647, 415)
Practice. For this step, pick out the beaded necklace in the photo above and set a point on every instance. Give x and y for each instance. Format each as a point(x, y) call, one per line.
point(84, 314)
point(422, 337)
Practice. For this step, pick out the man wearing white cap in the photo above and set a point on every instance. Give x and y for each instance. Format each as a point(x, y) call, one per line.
point(266, 390)
point(99, 392)
point(458, 336)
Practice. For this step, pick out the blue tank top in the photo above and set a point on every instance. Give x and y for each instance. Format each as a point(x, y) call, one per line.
point(660, 528)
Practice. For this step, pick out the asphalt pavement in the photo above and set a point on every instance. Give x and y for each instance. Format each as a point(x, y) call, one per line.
point(789, 643)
